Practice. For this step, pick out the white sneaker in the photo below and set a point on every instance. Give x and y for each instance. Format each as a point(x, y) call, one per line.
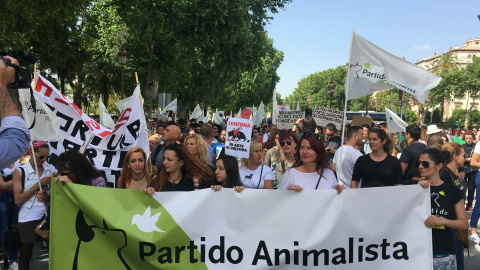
point(474, 238)
point(13, 266)
point(477, 247)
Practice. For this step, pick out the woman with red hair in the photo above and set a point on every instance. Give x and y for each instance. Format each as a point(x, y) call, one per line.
point(134, 173)
point(311, 171)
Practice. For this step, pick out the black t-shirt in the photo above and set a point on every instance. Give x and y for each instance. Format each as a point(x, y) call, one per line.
point(186, 184)
point(443, 200)
point(410, 155)
point(388, 171)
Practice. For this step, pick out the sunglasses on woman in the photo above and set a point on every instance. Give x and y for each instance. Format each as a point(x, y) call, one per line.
point(41, 157)
point(425, 164)
point(287, 142)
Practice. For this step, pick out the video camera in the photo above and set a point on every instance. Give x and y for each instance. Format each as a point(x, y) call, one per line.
point(23, 76)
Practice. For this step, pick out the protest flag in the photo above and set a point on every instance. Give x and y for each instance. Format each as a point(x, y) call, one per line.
point(46, 125)
point(217, 119)
point(105, 118)
point(257, 120)
point(298, 105)
point(197, 113)
point(373, 69)
point(394, 122)
point(172, 106)
point(122, 104)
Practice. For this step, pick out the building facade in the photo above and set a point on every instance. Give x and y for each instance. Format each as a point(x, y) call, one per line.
point(463, 55)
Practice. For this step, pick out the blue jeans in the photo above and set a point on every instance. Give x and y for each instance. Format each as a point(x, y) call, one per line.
point(476, 209)
point(4, 205)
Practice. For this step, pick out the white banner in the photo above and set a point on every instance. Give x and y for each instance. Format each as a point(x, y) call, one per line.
point(239, 133)
point(106, 149)
point(373, 69)
point(358, 229)
point(286, 119)
point(324, 116)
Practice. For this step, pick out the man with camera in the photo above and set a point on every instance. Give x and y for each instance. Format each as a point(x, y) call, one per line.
point(14, 135)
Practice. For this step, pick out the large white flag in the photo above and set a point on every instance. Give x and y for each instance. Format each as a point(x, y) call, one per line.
point(394, 122)
point(274, 107)
point(105, 118)
point(298, 105)
point(373, 69)
point(257, 120)
point(197, 113)
point(46, 124)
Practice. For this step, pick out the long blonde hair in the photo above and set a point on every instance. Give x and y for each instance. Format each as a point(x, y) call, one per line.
point(202, 151)
point(253, 145)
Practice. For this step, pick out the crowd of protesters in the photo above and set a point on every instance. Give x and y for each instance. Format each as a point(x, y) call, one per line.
point(186, 156)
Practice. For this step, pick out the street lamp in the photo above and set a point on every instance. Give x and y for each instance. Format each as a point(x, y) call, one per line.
point(331, 90)
point(122, 59)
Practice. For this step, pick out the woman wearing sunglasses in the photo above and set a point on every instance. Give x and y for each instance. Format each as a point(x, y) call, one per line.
point(288, 143)
point(448, 209)
point(253, 173)
point(24, 191)
point(311, 171)
point(379, 166)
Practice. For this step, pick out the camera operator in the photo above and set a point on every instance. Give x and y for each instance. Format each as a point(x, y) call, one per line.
point(14, 135)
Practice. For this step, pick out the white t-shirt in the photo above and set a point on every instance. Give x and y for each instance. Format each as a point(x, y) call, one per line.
point(477, 148)
point(308, 180)
point(344, 167)
point(251, 178)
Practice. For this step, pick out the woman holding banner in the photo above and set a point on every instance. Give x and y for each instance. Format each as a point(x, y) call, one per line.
point(180, 172)
point(25, 186)
point(253, 173)
point(226, 174)
point(311, 171)
point(134, 168)
point(448, 209)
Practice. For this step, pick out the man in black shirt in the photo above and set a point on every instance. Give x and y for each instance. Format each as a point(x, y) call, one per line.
point(410, 155)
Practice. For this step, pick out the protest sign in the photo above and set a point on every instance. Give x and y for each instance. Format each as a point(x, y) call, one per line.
point(324, 116)
point(358, 120)
point(104, 148)
point(239, 133)
point(283, 108)
point(132, 230)
point(246, 113)
point(286, 119)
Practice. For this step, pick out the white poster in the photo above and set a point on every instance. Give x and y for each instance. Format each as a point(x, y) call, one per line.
point(286, 119)
point(324, 116)
point(239, 133)
point(283, 108)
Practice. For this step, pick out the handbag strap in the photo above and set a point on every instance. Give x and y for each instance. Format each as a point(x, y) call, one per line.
point(260, 180)
point(319, 179)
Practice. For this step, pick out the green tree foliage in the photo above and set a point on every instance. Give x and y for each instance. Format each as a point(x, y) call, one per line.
point(317, 84)
point(445, 62)
point(196, 50)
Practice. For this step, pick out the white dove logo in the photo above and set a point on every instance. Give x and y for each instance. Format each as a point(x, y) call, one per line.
point(146, 223)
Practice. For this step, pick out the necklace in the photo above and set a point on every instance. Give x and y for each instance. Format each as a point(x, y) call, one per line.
point(174, 180)
point(136, 179)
